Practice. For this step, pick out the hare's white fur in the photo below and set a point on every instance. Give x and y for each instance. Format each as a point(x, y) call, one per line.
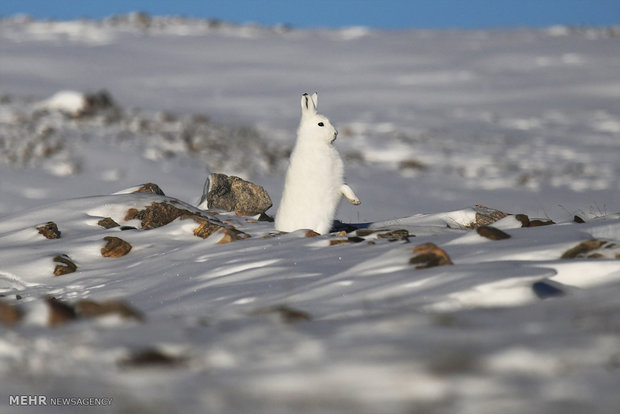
point(315, 178)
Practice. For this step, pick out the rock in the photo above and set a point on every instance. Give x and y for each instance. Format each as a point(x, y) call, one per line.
point(98, 101)
point(311, 233)
point(353, 239)
point(578, 219)
point(539, 222)
point(286, 313)
point(150, 188)
point(92, 309)
point(208, 227)
point(231, 235)
point(59, 312)
point(547, 289)
point(65, 265)
point(526, 222)
point(151, 357)
point(524, 219)
point(492, 233)
point(232, 193)
point(486, 216)
point(411, 164)
point(49, 230)
point(156, 215)
point(395, 235)
point(265, 217)
point(10, 315)
point(582, 249)
point(429, 255)
point(160, 214)
point(108, 223)
point(115, 247)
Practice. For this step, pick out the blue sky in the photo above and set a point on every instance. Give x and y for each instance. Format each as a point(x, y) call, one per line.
point(387, 14)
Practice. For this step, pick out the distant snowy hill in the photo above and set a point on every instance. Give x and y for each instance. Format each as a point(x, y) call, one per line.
point(421, 300)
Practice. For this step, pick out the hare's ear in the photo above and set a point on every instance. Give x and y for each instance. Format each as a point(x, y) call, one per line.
point(307, 105)
point(315, 100)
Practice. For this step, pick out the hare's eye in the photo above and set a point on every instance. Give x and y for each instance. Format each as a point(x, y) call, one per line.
point(321, 124)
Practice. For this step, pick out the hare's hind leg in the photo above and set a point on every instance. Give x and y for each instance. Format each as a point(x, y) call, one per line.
point(349, 194)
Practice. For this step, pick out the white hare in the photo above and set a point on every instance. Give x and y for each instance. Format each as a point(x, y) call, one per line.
point(315, 177)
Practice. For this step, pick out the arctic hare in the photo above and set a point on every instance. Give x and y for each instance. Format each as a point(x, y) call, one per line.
point(315, 177)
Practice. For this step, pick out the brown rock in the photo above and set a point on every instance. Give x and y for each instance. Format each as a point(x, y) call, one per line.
point(538, 223)
point(10, 315)
point(411, 164)
point(353, 239)
point(156, 215)
point(394, 235)
point(49, 230)
point(208, 227)
point(486, 216)
point(150, 188)
point(429, 255)
point(231, 235)
point(107, 223)
point(160, 214)
point(492, 233)
point(524, 219)
point(312, 233)
point(232, 193)
point(65, 265)
point(59, 312)
point(582, 249)
point(90, 308)
point(151, 357)
point(115, 247)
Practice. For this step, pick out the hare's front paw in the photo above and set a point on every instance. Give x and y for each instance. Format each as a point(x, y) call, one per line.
point(349, 195)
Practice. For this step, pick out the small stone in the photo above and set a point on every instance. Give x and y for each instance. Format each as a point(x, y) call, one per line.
point(207, 227)
point(108, 223)
point(353, 239)
point(115, 247)
point(231, 235)
point(10, 315)
point(49, 230)
point(394, 235)
point(578, 219)
point(150, 358)
point(486, 216)
point(492, 233)
point(365, 232)
point(90, 308)
point(232, 193)
point(429, 255)
point(547, 289)
point(312, 233)
point(287, 313)
point(150, 188)
point(538, 223)
point(265, 217)
point(59, 312)
point(582, 249)
point(65, 265)
point(524, 219)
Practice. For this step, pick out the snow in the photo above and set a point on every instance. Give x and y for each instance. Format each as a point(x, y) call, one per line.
point(430, 124)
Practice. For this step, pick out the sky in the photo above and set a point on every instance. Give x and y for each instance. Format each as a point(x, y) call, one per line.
point(382, 14)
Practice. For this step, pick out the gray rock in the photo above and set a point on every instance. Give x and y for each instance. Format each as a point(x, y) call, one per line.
point(232, 193)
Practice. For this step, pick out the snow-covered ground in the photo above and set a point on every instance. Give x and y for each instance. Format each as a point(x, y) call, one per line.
point(431, 124)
